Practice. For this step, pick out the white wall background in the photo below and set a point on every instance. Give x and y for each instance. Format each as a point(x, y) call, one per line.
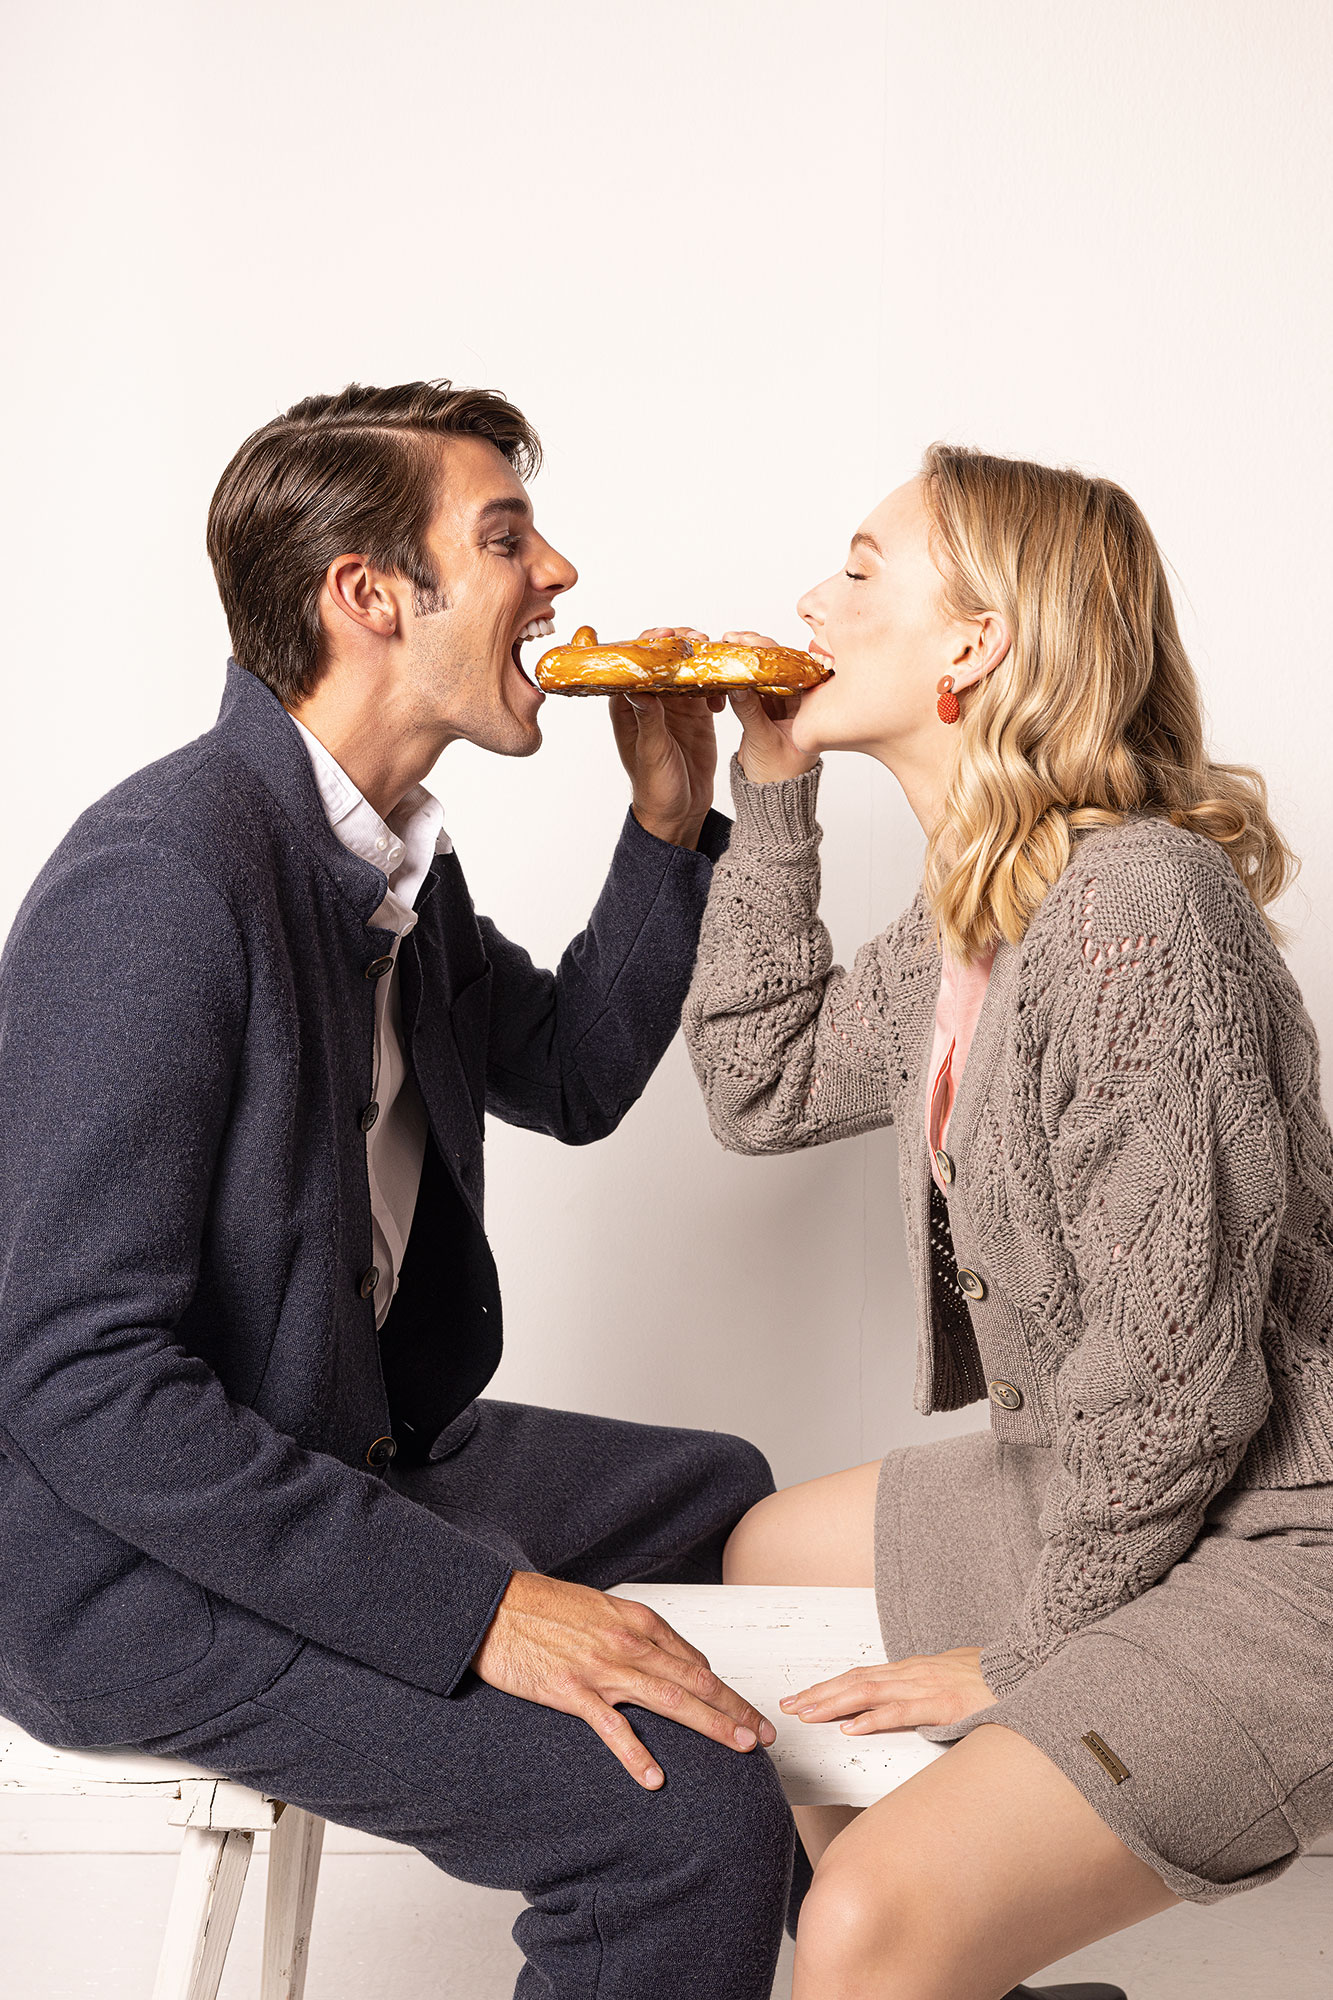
point(740, 261)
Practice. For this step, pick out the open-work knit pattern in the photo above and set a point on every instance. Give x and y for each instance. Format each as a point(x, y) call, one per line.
point(1147, 1183)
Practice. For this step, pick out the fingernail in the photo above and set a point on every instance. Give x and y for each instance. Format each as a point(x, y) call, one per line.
point(767, 1733)
point(788, 1701)
point(746, 1738)
point(652, 1776)
point(806, 1713)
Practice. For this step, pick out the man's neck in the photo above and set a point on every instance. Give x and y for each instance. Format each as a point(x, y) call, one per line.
point(384, 748)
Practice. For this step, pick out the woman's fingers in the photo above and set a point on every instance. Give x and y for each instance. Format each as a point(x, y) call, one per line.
point(854, 1686)
point(919, 1714)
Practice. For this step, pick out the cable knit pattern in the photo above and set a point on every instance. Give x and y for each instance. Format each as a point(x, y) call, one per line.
point(1144, 1174)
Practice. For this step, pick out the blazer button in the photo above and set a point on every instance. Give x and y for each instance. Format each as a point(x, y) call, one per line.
point(945, 1165)
point(369, 1279)
point(971, 1283)
point(378, 967)
point(381, 1452)
point(369, 1115)
point(1005, 1396)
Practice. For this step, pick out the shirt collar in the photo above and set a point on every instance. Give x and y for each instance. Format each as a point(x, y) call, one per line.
point(402, 846)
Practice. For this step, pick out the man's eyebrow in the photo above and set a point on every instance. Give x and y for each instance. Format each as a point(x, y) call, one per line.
point(869, 541)
point(494, 507)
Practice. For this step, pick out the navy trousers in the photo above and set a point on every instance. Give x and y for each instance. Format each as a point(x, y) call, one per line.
point(678, 1894)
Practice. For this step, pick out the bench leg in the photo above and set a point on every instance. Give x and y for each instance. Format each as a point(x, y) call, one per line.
point(209, 1880)
point(295, 1845)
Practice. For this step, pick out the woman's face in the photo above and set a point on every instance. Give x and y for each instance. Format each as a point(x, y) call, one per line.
point(880, 623)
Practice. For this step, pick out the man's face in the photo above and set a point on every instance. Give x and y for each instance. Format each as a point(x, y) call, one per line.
point(497, 579)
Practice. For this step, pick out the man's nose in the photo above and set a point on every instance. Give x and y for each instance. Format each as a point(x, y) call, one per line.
point(552, 573)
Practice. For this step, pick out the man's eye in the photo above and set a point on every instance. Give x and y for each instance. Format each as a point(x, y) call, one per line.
point(506, 542)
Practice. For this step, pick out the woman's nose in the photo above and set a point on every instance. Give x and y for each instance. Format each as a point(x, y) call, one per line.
point(808, 608)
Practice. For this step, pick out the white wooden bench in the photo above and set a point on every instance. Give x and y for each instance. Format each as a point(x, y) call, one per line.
point(765, 1641)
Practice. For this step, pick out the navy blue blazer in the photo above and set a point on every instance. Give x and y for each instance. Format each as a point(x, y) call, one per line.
point(195, 1407)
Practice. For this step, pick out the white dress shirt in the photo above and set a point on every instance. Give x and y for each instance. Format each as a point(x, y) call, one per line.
point(402, 848)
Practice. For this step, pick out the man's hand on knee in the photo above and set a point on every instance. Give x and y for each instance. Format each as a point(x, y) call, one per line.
point(581, 1651)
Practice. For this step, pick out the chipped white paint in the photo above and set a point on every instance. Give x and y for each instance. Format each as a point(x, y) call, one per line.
point(768, 1641)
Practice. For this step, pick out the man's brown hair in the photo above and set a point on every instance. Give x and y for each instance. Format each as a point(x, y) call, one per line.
point(353, 473)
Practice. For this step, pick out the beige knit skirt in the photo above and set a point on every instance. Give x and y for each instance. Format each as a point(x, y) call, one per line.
point(1212, 1692)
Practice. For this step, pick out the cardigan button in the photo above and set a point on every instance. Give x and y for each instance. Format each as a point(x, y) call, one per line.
point(378, 967)
point(381, 1452)
point(369, 1115)
point(971, 1283)
point(945, 1165)
point(368, 1281)
point(1005, 1396)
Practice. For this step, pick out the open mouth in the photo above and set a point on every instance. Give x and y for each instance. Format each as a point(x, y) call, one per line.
point(536, 628)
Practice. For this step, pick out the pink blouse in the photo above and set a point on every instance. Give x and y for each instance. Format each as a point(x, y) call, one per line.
point(962, 990)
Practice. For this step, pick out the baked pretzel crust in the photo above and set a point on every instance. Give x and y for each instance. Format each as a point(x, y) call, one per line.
point(675, 666)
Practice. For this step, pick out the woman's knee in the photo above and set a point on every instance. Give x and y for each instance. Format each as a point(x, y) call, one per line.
point(873, 1933)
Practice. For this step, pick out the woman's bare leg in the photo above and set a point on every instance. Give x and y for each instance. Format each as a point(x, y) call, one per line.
point(821, 1532)
point(968, 1879)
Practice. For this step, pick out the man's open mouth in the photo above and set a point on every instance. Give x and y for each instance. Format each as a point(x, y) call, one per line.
point(536, 628)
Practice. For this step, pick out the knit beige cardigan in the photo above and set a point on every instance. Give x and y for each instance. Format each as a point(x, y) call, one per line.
point(1143, 1173)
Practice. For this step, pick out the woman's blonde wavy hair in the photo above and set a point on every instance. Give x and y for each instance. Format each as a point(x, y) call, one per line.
point(1094, 713)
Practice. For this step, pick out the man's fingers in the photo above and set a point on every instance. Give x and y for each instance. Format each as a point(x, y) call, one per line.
point(727, 1720)
point(620, 1739)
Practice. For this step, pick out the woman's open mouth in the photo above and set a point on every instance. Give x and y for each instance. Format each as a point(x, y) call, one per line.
point(536, 628)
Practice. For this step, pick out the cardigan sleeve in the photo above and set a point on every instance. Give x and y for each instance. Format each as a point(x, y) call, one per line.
point(789, 1049)
point(1169, 1154)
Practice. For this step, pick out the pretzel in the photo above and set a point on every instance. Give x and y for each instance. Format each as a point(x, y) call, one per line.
point(675, 666)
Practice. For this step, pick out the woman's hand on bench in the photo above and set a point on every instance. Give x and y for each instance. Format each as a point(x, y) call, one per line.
point(580, 1651)
point(918, 1693)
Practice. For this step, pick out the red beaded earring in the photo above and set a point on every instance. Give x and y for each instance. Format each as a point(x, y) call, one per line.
point(947, 707)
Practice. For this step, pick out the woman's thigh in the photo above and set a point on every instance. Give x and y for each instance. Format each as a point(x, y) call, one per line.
point(978, 1872)
point(820, 1532)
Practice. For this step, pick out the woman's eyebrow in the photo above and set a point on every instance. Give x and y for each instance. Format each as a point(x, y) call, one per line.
point(869, 540)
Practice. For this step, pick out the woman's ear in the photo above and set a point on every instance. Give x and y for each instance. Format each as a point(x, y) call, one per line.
point(988, 645)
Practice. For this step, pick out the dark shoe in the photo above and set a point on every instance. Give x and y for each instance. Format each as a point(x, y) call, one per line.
point(1094, 1992)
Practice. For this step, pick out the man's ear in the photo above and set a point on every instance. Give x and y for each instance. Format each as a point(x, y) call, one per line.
point(353, 589)
point(983, 652)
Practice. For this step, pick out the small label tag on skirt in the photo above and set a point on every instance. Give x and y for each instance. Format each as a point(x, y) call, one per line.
point(1106, 1757)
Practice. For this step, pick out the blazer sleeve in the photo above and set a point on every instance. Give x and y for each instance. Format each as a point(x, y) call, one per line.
point(123, 1000)
point(1171, 1153)
point(791, 1050)
point(570, 1051)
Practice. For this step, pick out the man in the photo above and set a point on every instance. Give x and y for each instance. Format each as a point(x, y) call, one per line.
point(253, 1510)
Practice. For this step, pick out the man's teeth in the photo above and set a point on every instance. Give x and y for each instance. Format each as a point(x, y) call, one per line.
point(537, 628)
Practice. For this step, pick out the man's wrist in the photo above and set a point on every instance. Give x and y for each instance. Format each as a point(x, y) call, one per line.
point(677, 833)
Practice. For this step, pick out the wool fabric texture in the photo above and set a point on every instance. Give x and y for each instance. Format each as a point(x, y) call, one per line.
point(1143, 1175)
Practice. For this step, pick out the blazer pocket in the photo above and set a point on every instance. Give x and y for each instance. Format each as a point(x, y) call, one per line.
point(83, 1614)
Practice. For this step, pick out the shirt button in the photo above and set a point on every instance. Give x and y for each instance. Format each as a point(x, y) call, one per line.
point(369, 1115)
point(945, 1165)
point(381, 1451)
point(368, 1281)
point(1006, 1396)
point(381, 845)
point(378, 967)
point(971, 1283)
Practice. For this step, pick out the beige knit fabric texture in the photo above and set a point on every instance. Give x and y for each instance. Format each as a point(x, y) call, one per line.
point(1144, 1173)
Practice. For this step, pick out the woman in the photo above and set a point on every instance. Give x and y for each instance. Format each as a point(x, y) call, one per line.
point(1118, 1184)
